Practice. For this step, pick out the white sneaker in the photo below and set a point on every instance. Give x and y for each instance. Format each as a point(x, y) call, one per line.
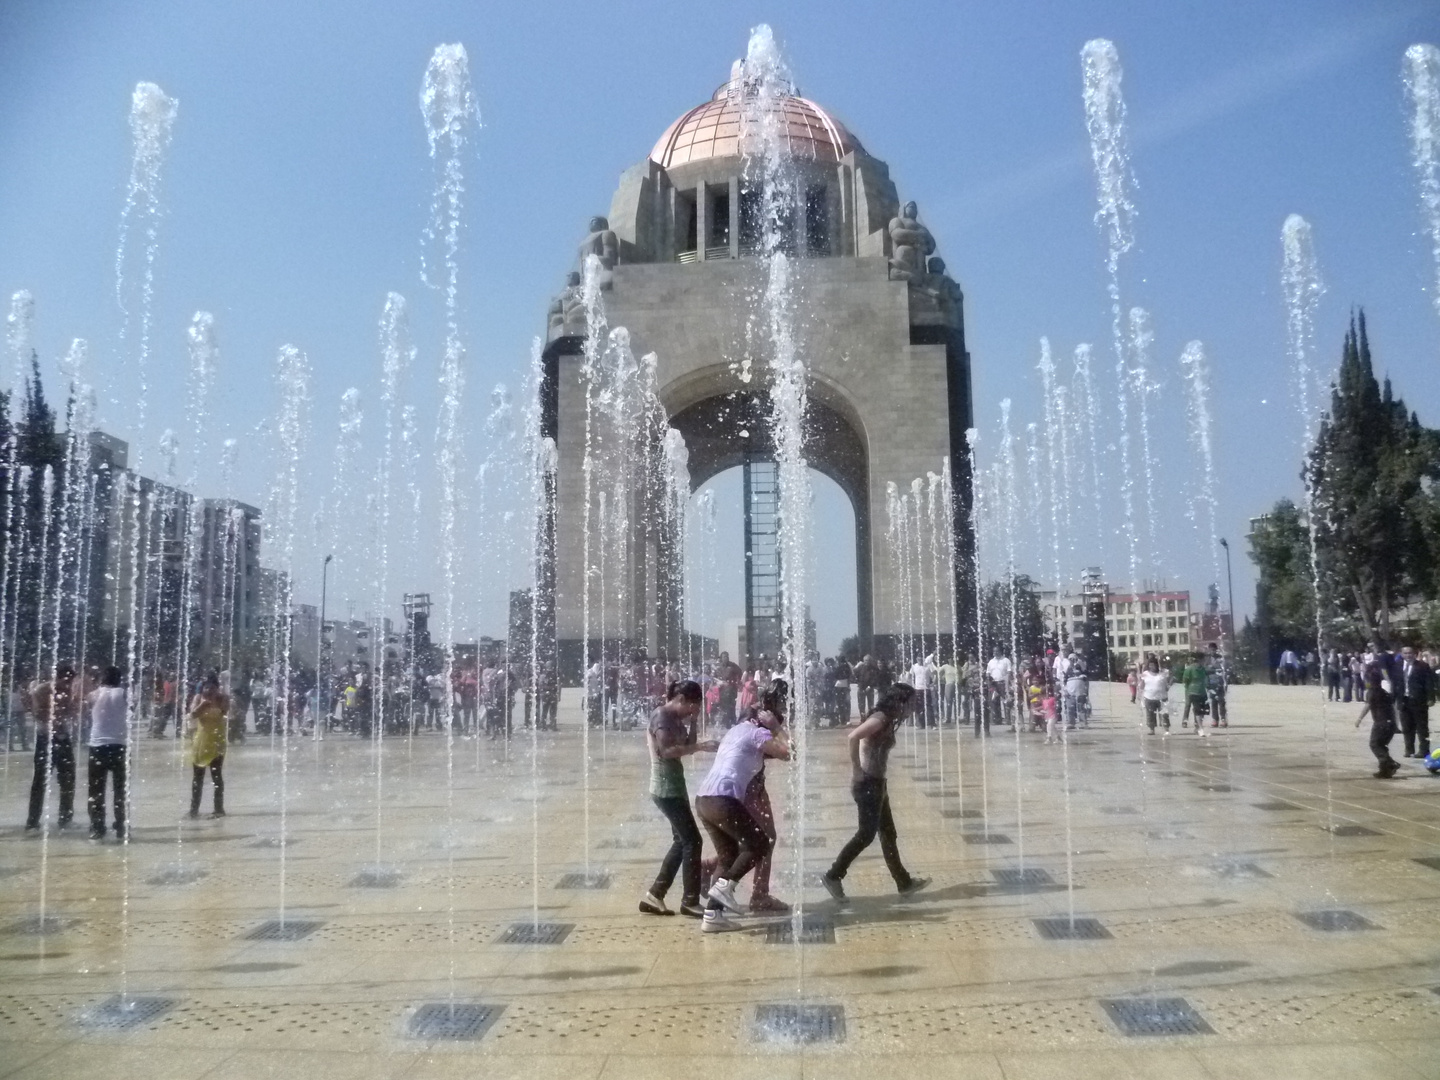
point(717, 922)
point(724, 891)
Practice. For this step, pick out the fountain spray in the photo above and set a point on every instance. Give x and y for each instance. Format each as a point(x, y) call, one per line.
point(1422, 89)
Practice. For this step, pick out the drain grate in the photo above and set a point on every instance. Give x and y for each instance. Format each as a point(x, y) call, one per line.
point(960, 813)
point(1216, 787)
point(376, 877)
point(1335, 919)
point(451, 1020)
point(792, 1024)
point(1236, 870)
point(1030, 877)
point(284, 930)
point(1432, 862)
point(123, 1013)
point(41, 925)
point(1275, 804)
point(596, 879)
point(1352, 830)
point(532, 933)
point(274, 842)
point(177, 875)
point(814, 931)
point(1168, 834)
point(985, 838)
point(1155, 1016)
point(815, 841)
point(626, 845)
point(1071, 929)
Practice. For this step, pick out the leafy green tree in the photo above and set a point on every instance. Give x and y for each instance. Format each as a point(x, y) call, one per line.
point(1029, 628)
point(1285, 587)
point(1372, 472)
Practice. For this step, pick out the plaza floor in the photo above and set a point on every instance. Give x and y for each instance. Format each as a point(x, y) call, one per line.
point(1138, 906)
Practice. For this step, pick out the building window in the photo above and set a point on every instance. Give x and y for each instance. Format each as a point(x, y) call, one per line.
point(1144, 607)
point(1181, 605)
point(1145, 639)
point(719, 218)
point(1169, 605)
point(1078, 610)
point(685, 220)
point(1171, 639)
point(817, 221)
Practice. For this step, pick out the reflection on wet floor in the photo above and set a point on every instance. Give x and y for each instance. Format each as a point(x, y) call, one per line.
point(1223, 907)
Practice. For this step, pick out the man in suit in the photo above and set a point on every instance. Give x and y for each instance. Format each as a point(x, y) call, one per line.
point(1416, 684)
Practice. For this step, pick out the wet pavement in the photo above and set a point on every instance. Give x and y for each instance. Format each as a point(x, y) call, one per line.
point(1139, 906)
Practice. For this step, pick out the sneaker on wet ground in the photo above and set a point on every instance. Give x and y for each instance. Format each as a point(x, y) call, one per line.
point(765, 904)
point(723, 892)
point(650, 904)
point(834, 887)
point(717, 922)
point(692, 911)
point(914, 885)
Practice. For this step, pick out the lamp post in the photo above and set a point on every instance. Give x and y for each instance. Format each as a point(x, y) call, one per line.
point(320, 647)
point(1230, 587)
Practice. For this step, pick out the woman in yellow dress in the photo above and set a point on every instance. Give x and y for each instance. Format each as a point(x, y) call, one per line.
point(207, 746)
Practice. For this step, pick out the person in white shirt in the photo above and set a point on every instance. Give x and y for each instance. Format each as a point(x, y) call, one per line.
point(1154, 689)
point(924, 703)
point(109, 736)
point(997, 686)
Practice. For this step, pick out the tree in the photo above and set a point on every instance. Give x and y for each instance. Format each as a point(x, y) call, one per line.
point(1285, 588)
point(1371, 473)
point(1029, 628)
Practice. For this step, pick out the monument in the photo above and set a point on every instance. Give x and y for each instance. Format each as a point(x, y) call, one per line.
point(882, 331)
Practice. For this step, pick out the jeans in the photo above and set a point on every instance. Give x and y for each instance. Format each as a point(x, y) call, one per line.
point(684, 853)
point(1217, 706)
point(1415, 724)
point(873, 801)
point(107, 760)
point(740, 841)
point(62, 760)
point(197, 785)
point(1152, 710)
point(867, 701)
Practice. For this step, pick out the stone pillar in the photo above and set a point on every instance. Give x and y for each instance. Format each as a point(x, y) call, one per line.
point(702, 219)
point(734, 217)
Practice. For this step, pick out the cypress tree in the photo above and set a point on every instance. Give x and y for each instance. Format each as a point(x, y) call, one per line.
point(1371, 473)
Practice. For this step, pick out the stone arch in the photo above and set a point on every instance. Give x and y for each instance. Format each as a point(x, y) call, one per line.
point(722, 426)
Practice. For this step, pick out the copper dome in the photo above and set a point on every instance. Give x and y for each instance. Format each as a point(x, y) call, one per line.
point(712, 130)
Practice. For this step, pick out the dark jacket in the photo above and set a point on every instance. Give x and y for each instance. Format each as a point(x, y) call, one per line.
point(1418, 685)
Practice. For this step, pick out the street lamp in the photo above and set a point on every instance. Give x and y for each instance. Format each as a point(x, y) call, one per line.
point(1230, 587)
point(320, 647)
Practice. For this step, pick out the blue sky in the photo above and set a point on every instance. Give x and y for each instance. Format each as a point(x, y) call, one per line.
point(298, 183)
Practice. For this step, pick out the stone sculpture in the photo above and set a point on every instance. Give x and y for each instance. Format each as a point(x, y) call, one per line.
point(566, 304)
point(910, 244)
point(604, 245)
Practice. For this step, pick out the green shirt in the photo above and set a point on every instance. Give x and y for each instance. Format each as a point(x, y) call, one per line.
point(667, 775)
point(1196, 679)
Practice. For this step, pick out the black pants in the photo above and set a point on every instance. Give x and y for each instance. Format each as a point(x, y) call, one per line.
point(740, 842)
point(684, 853)
point(1381, 732)
point(197, 784)
point(1415, 723)
point(107, 760)
point(62, 760)
point(1217, 705)
point(873, 801)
